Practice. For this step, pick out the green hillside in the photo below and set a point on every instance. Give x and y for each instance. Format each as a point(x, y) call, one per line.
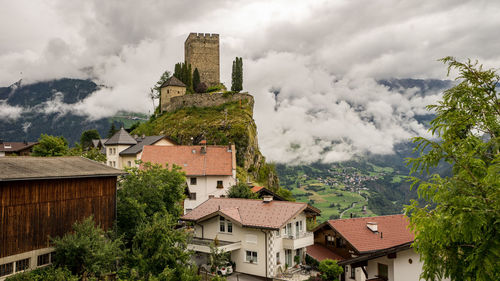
point(229, 123)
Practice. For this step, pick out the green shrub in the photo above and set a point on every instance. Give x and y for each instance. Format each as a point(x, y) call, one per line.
point(49, 273)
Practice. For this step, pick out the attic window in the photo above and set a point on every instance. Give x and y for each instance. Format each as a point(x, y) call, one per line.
point(7, 146)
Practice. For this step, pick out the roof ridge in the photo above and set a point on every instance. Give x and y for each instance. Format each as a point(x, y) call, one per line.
point(359, 218)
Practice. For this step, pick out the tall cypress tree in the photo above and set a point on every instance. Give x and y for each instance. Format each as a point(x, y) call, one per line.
point(196, 79)
point(189, 79)
point(237, 75)
point(178, 71)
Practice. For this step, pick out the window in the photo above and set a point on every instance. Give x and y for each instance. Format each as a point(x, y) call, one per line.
point(278, 258)
point(6, 269)
point(338, 243)
point(193, 181)
point(22, 264)
point(251, 257)
point(188, 210)
point(110, 163)
point(110, 151)
point(222, 224)
point(43, 259)
point(225, 225)
point(383, 270)
point(300, 226)
point(353, 273)
point(129, 163)
point(192, 196)
point(114, 150)
point(219, 184)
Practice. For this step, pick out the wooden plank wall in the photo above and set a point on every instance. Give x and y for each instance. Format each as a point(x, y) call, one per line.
point(33, 211)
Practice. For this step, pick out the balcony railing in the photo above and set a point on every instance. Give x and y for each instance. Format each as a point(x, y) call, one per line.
point(298, 240)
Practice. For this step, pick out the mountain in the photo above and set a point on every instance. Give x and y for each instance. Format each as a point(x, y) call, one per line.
point(44, 110)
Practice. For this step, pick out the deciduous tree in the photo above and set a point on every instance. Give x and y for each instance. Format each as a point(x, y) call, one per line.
point(241, 190)
point(330, 270)
point(87, 137)
point(458, 233)
point(51, 146)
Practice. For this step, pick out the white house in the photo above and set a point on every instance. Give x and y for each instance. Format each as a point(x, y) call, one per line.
point(122, 150)
point(370, 248)
point(210, 169)
point(262, 235)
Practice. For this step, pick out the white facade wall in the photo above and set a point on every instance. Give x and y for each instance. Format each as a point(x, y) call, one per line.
point(113, 158)
point(206, 186)
point(253, 240)
point(31, 255)
point(2, 154)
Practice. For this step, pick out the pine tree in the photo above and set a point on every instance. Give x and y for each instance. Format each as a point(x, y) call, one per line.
point(196, 79)
point(178, 71)
point(189, 79)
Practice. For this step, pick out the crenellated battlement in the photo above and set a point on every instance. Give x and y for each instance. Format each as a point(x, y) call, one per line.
point(193, 36)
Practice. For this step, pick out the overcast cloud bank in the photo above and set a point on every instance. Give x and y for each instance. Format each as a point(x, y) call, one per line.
point(323, 56)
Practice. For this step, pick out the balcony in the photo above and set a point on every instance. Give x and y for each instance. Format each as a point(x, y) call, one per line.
point(203, 245)
point(294, 242)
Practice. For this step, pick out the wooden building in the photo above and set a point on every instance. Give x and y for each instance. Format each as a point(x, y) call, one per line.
point(16, 148)
point(42, 197)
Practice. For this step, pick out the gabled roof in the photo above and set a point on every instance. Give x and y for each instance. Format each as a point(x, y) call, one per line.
point(29, 168)
point(261, 191)
point(173, 81)
point(216, 161)
point(141, 142)
point(16, 146)
point(247, 212)
point(121, 137)
point(392, 231)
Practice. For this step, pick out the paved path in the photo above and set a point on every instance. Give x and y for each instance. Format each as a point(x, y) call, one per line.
point(352, 206)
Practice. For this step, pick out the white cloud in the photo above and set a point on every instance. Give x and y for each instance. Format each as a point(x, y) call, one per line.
point(324, 56)
point(10, 112)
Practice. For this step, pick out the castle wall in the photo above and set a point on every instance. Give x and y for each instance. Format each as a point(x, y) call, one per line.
point(204, 100)
point(201, 50)
point(167, 93)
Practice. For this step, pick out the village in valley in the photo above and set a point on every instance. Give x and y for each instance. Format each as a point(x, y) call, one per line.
point(172, 199)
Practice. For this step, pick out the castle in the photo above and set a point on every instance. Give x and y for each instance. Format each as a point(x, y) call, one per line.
point(201, 51)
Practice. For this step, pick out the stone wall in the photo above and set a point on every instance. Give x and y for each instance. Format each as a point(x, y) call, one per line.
point(167, 93)
point(201, 50)
point(205, 100)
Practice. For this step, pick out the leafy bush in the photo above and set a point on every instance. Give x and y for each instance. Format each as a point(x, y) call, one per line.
point(217, 88)
point(330, 270)
point(241, 190)
point(49, 273)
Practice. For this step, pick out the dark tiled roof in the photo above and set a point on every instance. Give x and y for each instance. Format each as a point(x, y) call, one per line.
point(141, 142)
point(121, 137)
point(248, 212)
point(173, 81)
point(15, 146)
point(320, 252)
point(217, 161)
point(25, 168)
point(392, 231)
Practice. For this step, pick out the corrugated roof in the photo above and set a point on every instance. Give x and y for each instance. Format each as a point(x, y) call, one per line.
point(141, 142)
point(392, 231)
point(15, 146)
point(121, 137)
point(217, 161)
point(248, 212)
point(173, 81)
point(25, 168)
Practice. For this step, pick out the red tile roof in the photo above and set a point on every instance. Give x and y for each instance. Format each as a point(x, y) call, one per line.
point(392, 231)
point(256, 188)
point(15, 146)
point(247, 212)
point(217, 161)
point(320, 252)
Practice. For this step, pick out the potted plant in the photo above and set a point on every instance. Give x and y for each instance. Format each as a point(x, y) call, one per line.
point(297, 261)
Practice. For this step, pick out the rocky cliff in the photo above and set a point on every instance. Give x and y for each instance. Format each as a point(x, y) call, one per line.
point(219, 119)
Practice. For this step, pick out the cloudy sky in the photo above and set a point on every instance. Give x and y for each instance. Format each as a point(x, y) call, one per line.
point(323, 56)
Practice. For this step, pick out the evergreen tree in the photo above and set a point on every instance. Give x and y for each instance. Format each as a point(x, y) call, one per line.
point(112, 130)
point(189, 79)
point(87, 137)
point(237, 75)
point(178, 71)
point(196, 79)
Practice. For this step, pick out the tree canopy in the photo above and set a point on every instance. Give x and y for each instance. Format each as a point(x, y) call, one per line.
point(144, 192)
point(457, 234)
point(196, 80)
point(87, 137)
point(330, 270)
point(51, 146)
point(241, 190)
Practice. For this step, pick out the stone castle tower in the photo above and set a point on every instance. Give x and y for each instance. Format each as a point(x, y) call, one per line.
point(201, 50)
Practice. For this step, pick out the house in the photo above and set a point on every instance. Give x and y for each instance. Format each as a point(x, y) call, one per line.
point(99, 144)
point(370, 248)
point(122, 150)
point(16, 148)
point(172, 87)
point(43, 197)
point(210, 169)
point(262, 235)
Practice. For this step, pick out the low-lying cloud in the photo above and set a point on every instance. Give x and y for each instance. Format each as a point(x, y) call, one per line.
point(324, 57)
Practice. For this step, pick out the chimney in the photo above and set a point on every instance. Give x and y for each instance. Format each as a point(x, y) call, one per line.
point(203, 149)
point(372, 226)
point(267, 198)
